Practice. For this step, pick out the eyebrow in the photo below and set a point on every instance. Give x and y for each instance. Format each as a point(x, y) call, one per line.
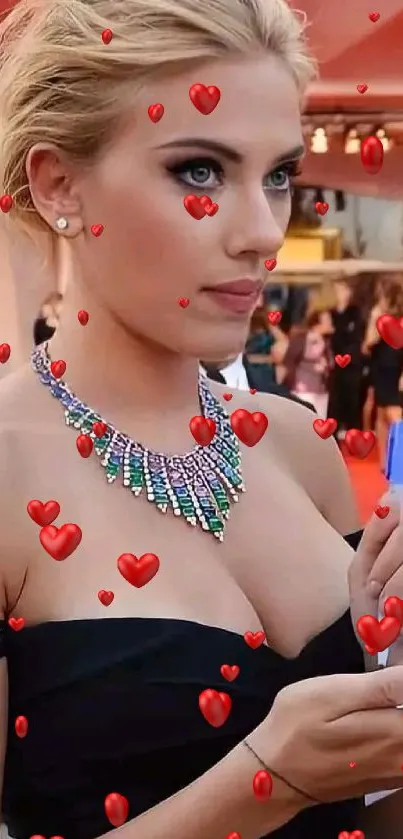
point(231, 154)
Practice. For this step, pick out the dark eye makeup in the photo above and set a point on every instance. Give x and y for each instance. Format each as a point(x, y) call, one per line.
point(206, 173)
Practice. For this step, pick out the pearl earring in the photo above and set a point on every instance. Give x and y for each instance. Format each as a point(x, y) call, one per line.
point(61, 223)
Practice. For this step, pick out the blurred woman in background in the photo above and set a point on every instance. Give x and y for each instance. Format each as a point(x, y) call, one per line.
point(348, 333)
point(308, 360)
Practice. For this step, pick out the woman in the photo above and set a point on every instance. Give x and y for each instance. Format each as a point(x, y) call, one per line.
point(386, 363)
point(260, 342)
point(110, 669)
point(47, 322)
point(308, 361)
point(344, 385)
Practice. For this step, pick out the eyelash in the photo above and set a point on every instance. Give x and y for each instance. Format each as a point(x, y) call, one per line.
point(292, 169)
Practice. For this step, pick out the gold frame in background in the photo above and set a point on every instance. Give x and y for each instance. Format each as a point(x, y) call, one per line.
point(314, 244)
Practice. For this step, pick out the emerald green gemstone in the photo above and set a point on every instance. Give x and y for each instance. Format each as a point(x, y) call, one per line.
point(215, 525)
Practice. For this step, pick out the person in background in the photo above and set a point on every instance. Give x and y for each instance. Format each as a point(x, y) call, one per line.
point(386, 363)
point(47, 321)
point(344, 383)
point(308, 361)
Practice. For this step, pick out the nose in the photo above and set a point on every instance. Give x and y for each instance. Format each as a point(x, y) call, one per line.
point(256, 227)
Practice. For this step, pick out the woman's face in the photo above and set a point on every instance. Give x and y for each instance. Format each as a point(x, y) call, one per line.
point(153, 252)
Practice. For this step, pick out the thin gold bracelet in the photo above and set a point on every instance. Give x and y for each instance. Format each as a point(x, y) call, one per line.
point(280, 777)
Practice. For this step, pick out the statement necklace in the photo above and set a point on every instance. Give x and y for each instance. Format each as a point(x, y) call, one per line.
point(198, 485)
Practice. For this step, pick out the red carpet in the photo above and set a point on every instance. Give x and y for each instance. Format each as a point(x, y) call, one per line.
point(368, 482)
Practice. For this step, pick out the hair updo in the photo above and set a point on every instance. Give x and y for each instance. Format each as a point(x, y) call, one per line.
point(60, 83)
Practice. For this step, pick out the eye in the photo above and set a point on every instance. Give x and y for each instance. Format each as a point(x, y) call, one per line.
point(283, 177)
point(203, 173)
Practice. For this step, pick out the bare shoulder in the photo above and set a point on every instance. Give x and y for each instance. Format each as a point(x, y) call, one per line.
point(315, 464)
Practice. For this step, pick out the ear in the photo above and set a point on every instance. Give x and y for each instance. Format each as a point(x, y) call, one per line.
point(53, 190)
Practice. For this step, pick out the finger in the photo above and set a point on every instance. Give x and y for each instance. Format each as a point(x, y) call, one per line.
point(375, 536)
point(361, 692)
point(389, 560)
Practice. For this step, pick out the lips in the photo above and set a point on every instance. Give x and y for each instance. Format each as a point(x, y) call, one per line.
point(245, 287)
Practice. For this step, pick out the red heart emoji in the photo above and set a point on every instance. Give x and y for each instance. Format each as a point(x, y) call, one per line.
point(372, 155)
point(342, 360)
point(84, 445)
point(138, 572)
point(58, 368)
point(183, 302)
point(360, 443)
point(270, 264)
point(97, 230)
point(262, 785)
point(83, 317)
point(274, 317)
point(249, 428)
point(215, 707)
point(229, 671)
point(393, 608)
point(107, 36)
point(203, 430)
point(16, 623)
point(156, 112)
point(105, 597)
point(254, 639)
point(21, 726)
point(391, 330)
point(116, 808)
point(325, 428)
point(43, 514)
point(356, 834)
point(205, 99)
point(211, 209)
point(378, 635)
point(374, 16)
point(60, 542)
point(321, 207)
point(362, 88)
point(6, 203)
point(5, 351)
point(382, 512)
point(227, 396)
point(99, 428)
point(194, 207)
point(252, 390)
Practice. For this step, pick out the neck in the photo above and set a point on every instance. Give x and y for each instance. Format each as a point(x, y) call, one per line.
point(141, 388)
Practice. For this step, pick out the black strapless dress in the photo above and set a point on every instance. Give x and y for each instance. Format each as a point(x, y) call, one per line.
point(112, 706)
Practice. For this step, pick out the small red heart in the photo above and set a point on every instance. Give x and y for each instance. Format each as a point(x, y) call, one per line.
point(205, 99)
point(84, 445)
point(215, 707)
point(6, 203)
point(254, 639)
point(16, 623)
point(194, 207)
point(83, 317)
point(229, 671)
point(234, 835)
point(321, 207)
point(360, 443)
point(105, 597)
point(270, 264)
point(391, 330)
point(138, 572)
point(382, 512)
point(374, 16)
point(203, 430)
point(262, 785)
point(21, 726)
point(60, 542)
point(378, 635)
point(372, 155)
point(342, 360)
point(249, 428)
point(393, 608)
point(356, 834)
point(274, 317)
point(58, 368)
point(43, 514)
point(362, 88)
point(227, 396)
point(325, 428)
point(183, 302)
point(212, 209)
point(156, 112)
point(252, 390)
point(116, 808)
point(97, 230)
point(99, 428)
point(5, 351)
point(107, 36)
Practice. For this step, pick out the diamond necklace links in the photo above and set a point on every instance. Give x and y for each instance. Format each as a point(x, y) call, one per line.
point(198, 486)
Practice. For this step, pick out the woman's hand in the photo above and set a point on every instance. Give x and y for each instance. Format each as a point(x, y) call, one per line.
point(376, 572)
point(336, 737)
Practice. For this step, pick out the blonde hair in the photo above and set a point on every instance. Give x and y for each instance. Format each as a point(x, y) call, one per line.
point(60, 83)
